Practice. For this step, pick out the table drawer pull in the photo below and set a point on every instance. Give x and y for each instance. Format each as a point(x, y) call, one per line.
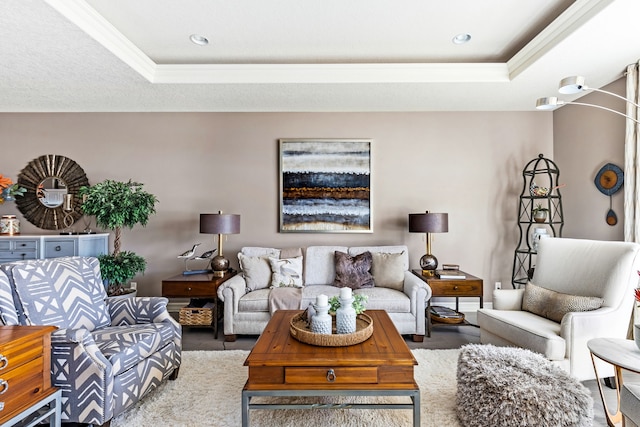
point(331, 375)
point(4, 362)
point(5, 386)
point(455, 288)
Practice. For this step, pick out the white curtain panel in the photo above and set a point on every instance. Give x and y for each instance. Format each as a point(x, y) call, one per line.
point(632, 160)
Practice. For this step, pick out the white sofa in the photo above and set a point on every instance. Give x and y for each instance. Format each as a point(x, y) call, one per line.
point(577, 268)
point(247, 312)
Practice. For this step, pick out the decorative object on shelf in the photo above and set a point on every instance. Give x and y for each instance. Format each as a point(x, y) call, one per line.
point(299, 329)
point(608, 181)
point(538, 233)
point(442, 314)
point(116, 205)
point(325, 186)
point(576, 84)
point(9, 191)
point(68, 221)
point(540, 213)
point(9, 225)
point(540, 192)
point(321, 322)
point(345, 314)
point(46, 180)
point(428, 223)
point(86, 219)
point(219, 224)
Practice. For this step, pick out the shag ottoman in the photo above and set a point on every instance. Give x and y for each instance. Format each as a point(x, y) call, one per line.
point(506, 386)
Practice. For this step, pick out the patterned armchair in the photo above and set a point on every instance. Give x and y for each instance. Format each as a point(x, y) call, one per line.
point(107, 353)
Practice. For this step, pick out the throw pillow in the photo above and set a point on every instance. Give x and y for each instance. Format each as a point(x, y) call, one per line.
point(353, 272)
point(388, 270)
point(256, 271)
point(286, 273)
point(554, 305)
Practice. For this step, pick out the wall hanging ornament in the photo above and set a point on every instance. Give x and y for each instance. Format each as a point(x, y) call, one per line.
point(609, 180)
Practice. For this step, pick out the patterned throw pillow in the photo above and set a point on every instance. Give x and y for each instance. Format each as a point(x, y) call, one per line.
point(554, 305)
point(286, 273)
point(65, 292)
point(353, 272)
point(388, 270)
point(256, 271)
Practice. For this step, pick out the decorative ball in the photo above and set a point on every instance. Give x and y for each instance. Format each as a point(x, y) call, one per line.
point(428, 262)
point(219, 263)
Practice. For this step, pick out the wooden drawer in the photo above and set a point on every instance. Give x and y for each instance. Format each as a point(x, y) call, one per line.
point(340, 375)
point(18, 353)
point(59, 248)
point(188, 290)
point(21, 385)
point(456, 287)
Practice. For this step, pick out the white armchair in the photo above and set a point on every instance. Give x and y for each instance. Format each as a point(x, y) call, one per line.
point(573, 268)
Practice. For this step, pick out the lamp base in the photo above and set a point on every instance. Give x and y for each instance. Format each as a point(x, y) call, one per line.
point(429, 263)
point(219, 265)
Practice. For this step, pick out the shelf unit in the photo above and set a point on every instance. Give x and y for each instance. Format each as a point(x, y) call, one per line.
point(540, 172)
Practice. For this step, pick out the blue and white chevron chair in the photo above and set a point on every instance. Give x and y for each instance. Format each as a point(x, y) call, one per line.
point(107, 353)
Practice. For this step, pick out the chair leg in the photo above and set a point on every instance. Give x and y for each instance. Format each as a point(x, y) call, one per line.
point(174, 374)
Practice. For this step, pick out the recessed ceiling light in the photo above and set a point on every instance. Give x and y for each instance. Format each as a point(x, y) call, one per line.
point(461, 38)
point(198, 39)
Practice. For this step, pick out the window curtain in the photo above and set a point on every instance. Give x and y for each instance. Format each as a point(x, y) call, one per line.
point(632, 160)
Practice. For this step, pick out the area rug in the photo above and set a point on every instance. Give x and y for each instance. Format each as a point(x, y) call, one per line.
point(207, 393)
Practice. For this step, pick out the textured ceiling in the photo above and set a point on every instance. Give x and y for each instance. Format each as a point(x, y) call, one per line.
point(292, 55)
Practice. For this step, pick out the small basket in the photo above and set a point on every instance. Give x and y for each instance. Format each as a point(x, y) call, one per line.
point(299, 329)
point(196, 316)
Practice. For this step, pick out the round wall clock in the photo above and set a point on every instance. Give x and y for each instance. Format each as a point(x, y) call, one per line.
point(608, 181)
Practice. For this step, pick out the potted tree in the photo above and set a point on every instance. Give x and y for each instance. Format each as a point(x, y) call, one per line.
point(116, 205)
point(540, 213)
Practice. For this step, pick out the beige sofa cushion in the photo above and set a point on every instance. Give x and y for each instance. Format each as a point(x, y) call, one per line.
point(388, 270)
point(554, 305)
point(286, 273)
point(256, 271)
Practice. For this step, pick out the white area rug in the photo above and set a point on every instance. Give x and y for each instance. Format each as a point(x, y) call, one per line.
point(208, 389)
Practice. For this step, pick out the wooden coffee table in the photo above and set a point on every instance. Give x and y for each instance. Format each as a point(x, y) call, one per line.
point(280, 365)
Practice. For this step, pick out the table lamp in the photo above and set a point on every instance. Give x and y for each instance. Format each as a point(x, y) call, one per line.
point(428, 223)
point(219, 224)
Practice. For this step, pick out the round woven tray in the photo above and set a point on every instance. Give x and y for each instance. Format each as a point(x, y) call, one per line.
point(300, 330)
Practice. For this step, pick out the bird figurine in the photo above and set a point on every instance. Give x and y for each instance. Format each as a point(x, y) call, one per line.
point(206, 255)
point(186, 256)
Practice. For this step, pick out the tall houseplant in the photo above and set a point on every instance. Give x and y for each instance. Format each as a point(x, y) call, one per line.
point(116, 205)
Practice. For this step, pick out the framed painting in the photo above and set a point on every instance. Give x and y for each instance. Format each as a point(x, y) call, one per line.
point(325, 186)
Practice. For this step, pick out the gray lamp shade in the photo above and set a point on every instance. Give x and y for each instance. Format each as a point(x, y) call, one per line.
point(219, 223)
point(429, 223)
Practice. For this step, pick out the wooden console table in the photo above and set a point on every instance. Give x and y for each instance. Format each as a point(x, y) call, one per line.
point(198, 286)
point(470, 286)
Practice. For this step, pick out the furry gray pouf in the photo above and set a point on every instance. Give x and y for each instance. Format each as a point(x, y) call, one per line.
point(505, 386)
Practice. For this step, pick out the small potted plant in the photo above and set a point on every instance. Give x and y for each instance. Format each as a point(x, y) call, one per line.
point(359, 303)
point(116, 205)
point(540, 213)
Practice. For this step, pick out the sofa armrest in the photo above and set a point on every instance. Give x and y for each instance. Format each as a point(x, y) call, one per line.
point(507, 299)
point(419, 292)
point(79, 368)
point(230, 293)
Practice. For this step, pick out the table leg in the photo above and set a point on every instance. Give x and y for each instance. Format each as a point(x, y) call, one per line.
point(428, 318)
point(215, 318)
point(245, 409)
point(616, 417)
point(416, 409)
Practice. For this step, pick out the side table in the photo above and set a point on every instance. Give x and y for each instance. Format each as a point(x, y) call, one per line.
point(622, 354)
point(201, 286)
point(26, 394)
point(470, 286)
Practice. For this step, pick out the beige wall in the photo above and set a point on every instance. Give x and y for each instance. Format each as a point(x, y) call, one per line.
point(466, 164)
point(585, 139)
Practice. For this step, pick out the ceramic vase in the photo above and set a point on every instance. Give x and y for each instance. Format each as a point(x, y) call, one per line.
point(346, 317)
point(321, 321)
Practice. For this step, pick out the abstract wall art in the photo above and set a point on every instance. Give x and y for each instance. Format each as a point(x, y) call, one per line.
point(325, 185)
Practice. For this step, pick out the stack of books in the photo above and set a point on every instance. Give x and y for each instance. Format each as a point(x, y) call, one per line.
point(445, 314)
point(450, 274)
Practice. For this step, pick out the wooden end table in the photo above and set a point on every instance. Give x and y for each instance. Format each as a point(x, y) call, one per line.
point(199, 286)
point(623, 355)
point(280, 365)
point(471, 286)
